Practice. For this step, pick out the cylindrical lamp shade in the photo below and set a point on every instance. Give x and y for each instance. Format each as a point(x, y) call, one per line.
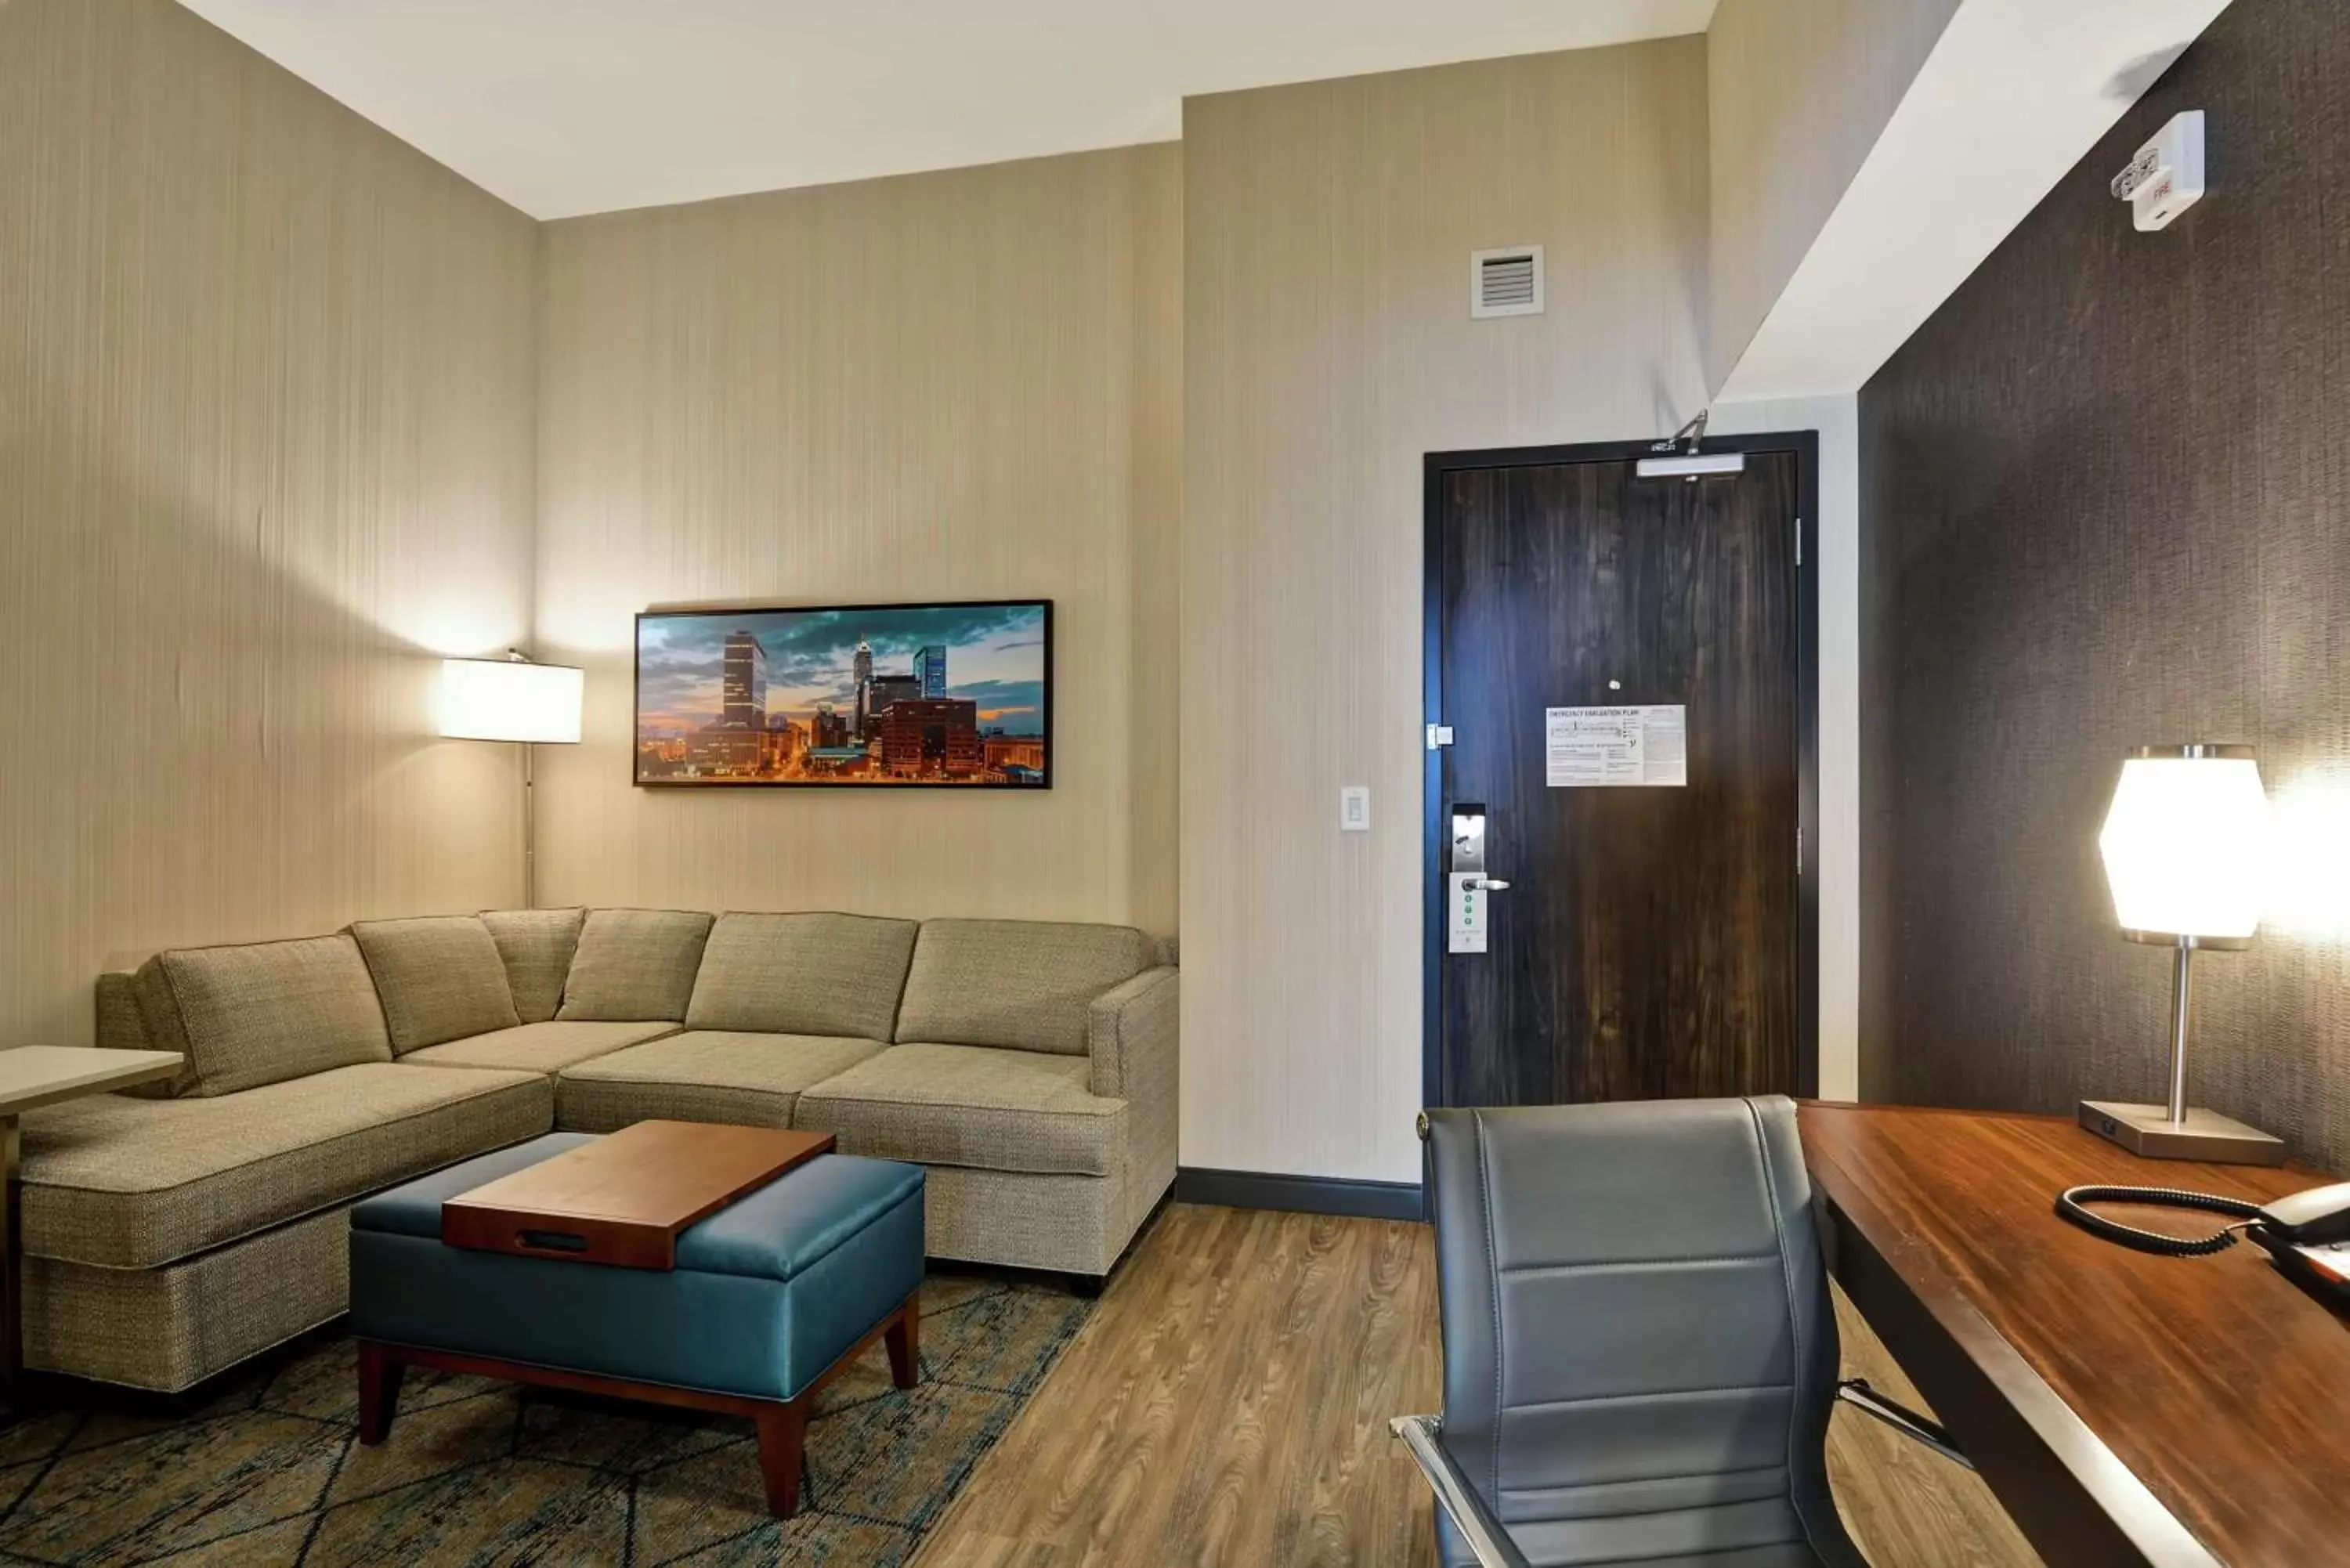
point(2186, 843)
point(502, 700)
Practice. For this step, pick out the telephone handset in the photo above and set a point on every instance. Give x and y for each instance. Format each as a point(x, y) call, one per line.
point(2319, 1217)
point(2311, 1219)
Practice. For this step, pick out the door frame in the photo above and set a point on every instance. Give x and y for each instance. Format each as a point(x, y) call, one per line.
point(1805, 447)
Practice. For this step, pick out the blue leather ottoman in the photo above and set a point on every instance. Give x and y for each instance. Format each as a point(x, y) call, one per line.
point(771, 1296)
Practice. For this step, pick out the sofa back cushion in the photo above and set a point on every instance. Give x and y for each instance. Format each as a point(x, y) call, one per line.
point(1022, 984)
point(635, 966)
point(263, 1012)
point(537, 945)
point(122, 1027)
point(439, 977)
point(803, 974)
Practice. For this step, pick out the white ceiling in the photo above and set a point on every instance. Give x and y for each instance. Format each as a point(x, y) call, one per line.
point(2014, 93)
point(565, 106)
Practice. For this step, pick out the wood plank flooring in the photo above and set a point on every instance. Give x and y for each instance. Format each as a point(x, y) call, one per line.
point(1225, 1404)
point(1903, 1502)
point(1228, 1404)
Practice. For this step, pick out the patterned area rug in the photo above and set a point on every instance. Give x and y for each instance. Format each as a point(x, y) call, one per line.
point(269, 1471)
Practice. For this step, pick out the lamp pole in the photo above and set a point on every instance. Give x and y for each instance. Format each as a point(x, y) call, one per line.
point(529, 809)
point(530, 841)
point(2182, 1009)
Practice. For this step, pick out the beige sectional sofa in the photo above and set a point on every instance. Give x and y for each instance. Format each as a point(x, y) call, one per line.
point(174, 1231)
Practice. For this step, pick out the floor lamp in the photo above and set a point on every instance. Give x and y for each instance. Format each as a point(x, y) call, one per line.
point(512, 699)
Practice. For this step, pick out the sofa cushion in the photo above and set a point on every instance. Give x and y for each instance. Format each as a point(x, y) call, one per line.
point(537, 945)
point(263, 1012)
point(538, 1047)
point(1022, 984)
point(634, 965)
point(120, 1026)
point(703, 1075)
point(439, 977)
point(971, 1106)
point(131, 1183)
point(803, 974)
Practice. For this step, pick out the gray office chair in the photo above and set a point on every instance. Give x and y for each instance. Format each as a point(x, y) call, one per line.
point(1639, 1352)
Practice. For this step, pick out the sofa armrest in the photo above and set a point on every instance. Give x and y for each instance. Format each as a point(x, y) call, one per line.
point(1132, 1036)
point(1131, 1033)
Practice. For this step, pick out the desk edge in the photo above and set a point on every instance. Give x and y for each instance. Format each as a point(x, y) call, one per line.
point(2136, 1516)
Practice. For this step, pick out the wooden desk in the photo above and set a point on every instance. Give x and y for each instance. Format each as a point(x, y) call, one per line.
point(2127, 1408)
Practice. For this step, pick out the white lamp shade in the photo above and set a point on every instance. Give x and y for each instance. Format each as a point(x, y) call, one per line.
point(2186, 846)
point(504, 699)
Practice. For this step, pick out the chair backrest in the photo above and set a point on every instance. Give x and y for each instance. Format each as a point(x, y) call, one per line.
point(1639, 1350)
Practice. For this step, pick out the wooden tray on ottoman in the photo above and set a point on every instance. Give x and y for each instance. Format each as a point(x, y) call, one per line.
point(622, 1200)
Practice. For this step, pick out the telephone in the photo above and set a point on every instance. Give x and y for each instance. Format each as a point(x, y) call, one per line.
point(2299, 1230)
point(2311, 1219)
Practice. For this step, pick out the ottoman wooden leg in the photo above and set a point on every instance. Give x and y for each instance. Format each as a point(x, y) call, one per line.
point(379, 1392)
point(783, 1435)
point(904, 1339)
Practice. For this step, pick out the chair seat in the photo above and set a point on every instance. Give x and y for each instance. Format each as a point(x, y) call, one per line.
point(971, 1105)
point(538, 1047)
point(703, 1075)
point(1764, 1534)
point(1789, 1554)
point(124, 1183)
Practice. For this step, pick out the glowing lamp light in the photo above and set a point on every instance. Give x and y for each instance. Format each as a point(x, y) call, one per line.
point(500, 700)
point(2186, 846)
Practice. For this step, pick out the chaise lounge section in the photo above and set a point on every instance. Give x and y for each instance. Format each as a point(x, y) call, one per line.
point(168, 1235)
point(174, 1231)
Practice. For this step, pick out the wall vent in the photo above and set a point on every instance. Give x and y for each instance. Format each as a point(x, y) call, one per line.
point(1506, 282)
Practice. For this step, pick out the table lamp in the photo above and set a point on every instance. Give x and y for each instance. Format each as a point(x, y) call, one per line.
point(512, 699)
point(2185, 845)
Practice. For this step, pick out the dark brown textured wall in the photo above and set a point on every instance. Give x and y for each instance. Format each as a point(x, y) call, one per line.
point(2106, 503)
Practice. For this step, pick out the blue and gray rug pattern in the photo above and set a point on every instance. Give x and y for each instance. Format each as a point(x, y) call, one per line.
point(268, 1470)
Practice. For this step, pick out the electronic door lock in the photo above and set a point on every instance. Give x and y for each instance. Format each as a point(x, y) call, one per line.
point(1466, 882)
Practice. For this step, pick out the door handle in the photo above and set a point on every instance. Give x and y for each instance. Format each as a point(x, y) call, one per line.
point(1487, 884)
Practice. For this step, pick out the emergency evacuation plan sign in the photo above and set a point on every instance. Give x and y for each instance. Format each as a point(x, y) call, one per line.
point(1603, 748)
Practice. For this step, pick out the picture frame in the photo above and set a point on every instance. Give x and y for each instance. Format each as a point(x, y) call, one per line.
point(935, 694)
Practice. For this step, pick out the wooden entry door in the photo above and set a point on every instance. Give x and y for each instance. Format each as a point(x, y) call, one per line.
point(1654, 939)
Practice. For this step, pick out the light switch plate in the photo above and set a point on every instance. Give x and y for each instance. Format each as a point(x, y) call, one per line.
point(1355, 808)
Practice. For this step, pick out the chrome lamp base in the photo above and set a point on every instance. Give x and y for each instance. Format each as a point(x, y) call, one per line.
point(2175, 1130)
point(2206, 1135)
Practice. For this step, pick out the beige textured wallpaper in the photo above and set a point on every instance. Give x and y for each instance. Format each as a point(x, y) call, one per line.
point(265, 454)
point(962, 385)
point(1327, 347)
point(1799, 91)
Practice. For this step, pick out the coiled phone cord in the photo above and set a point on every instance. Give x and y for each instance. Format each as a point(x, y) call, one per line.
point(2070, 1204)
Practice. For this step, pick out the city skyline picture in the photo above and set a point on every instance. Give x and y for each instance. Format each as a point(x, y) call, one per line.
point(953, 694)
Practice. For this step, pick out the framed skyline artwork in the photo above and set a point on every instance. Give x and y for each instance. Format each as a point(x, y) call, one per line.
point(955, 695)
